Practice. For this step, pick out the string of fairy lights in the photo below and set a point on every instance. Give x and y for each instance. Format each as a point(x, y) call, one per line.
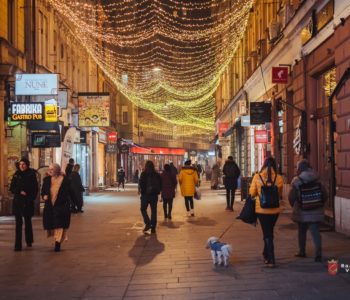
point(166, 56)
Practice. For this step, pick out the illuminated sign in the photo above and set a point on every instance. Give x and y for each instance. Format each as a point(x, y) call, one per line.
point(223, 127)
point(51, 114)
point(261, 137)
point(279, 74)
point(112, 136)
point(46, 140)
point(36, 84)
point(27, 111)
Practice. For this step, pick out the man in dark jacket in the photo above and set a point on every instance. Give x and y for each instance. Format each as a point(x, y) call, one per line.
point(306, 219)
point(24, 187)
point(69, 167)
point(149, 188)
point(231, 172)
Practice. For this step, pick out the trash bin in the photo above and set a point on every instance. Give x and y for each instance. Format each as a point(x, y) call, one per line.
point(245, 184)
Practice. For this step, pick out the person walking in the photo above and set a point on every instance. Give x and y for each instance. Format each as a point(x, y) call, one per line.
point(231, 172)
point(56, 192)
point(215, 176)
point(188, 180)
point(77, 190)
point(149, 188)
point(121, 178)
point(267, 177)
point(69, 167)
point(307, 219)
point(169, 183)
point(207, 172)
point(24, 187)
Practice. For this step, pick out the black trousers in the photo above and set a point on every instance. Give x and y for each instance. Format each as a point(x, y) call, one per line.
point(151, 200)
point(122, 182)
point(167, 207)
point(28, 230)
point(230, 197)
point(268, 223)
point(189, 202)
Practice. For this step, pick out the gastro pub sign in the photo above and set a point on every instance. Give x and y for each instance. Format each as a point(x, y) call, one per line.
point(27, 111)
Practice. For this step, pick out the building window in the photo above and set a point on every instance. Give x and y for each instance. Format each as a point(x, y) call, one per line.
point(11, 10)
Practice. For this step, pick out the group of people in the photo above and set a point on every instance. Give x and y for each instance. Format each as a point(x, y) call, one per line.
point(151, 184)
point(62, 193)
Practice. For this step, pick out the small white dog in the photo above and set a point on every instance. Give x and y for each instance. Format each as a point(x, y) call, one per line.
point(220, 252)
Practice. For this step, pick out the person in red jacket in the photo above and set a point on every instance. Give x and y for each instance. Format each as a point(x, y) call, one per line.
point(169, 184)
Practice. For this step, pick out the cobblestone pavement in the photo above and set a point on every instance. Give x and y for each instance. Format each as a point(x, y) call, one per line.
point(108, 257)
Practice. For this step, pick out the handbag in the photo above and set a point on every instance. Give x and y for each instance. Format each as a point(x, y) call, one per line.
point(248, 214)
point(197, 194)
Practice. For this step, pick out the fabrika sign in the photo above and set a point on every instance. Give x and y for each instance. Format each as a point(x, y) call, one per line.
point(27, 111)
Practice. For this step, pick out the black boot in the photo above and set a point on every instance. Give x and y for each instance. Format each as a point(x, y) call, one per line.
point(270, 253)
point(57, 247)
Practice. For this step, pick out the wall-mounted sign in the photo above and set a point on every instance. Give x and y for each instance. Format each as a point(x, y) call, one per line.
point(61, 98)
point(67, 146)
point(260, 113)
point(242, 107)
point(245, 121)
point(94, 109)
point(111, 148)
point(51, 111)
point(279, 74)
point(83, 137)
point(21, 111)
point(192, 153)
point(46, 140)
point(102, 136)
point(261, 137)
point(124, 148)
point(112, 137)
point(297, 138)
point(36, 84)
point(223, 127)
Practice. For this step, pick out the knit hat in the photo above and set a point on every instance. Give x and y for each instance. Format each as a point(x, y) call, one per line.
point(303, 165)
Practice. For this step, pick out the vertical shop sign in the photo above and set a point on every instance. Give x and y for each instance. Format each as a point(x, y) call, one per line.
point(67, 146)
point(223, 127)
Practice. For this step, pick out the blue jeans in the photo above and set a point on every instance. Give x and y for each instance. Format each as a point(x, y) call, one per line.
point(151, 200)
point(316, 236)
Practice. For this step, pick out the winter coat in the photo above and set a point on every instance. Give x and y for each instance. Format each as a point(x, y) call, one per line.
point(69, 169)
point(121, 176)
point(144, 181)
point(169, 183)
point(25, 181)
point(305, 216)
point(188, 180)
point(77, 188)
point(255, 191)
point(231, 172)
point(57, 215)
point(215, 175)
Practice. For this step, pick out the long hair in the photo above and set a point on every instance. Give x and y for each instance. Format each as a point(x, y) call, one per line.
point(149, 167)
point(167, 168)
point(269, 163)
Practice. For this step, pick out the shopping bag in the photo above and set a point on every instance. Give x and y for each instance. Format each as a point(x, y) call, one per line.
point(197, 194)
point(248, 214)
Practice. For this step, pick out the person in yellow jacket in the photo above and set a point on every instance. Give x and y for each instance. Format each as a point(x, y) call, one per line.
point(188, 179)
point(267, 216)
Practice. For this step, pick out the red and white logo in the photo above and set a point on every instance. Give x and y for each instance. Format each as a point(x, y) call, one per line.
point(279, 74)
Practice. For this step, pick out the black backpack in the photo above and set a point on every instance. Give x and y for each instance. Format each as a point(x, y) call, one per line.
point(248, 214)
point(310, 195)
point(153, 184)
point(269, 197)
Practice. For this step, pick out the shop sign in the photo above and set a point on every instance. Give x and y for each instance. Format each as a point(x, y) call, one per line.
point(102, 137)
point(36, 84)
point(111, 148)
point(83, 135)
point(46, 140)
point(124, 148)
point(67, 146)
point(94, 109)
point(261, 137)
point(279, 74)
point(27, 111)
point(51, 111)
point(112, 137)
point(61, 98)
point(224, 142)
point(260, 113)
point(242, 107)
point(245, 121)
point(192, 153)
point(223, 127)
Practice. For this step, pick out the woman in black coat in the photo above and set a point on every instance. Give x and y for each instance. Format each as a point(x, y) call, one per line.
point(169, 183)
point(56, 191)
point(24, 187)
point(77, 189)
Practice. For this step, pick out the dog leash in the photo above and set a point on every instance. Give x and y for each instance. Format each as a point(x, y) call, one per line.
point(227, 229)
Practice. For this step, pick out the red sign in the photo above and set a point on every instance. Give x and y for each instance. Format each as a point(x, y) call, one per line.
point(223, 127)
point(279, 74)
point(261, 137)
point(112, 136)
point(333, 267)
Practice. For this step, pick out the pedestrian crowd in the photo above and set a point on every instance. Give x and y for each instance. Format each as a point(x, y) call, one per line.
point(62, 193)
